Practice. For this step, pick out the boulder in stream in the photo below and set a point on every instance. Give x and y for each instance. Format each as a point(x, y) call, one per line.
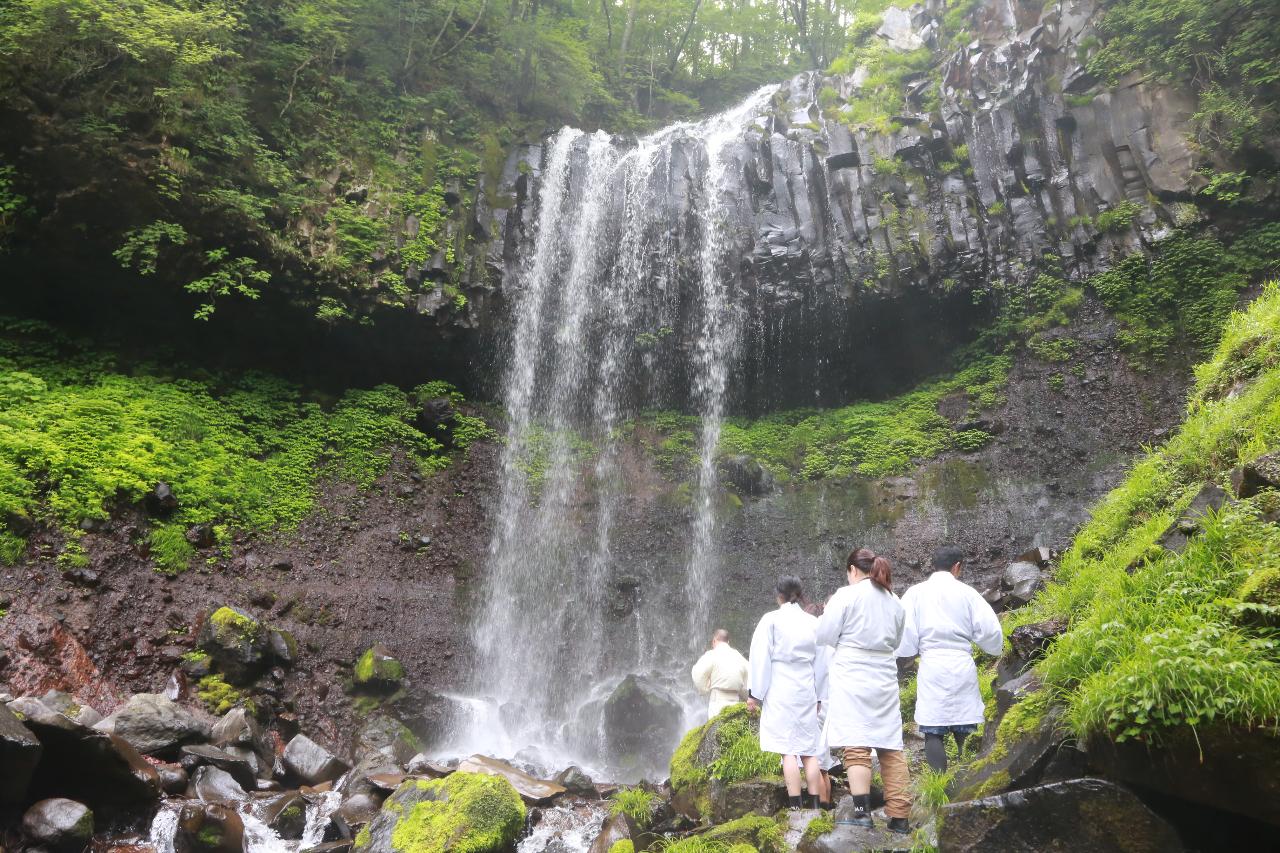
point(208, 828)
point(154, 724)
point(576, 782)
point(311, 762)
point(59, 825)
point(639, 716)
point(463, 811)
point(1096, 815)
point(748, 781)
point(213, 785)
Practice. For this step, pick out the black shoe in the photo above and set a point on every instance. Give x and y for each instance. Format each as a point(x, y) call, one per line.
point(899, 825)
point(826, 805)
point(795, 802)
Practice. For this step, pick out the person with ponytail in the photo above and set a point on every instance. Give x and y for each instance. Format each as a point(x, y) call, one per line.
point(787, 678)
point(864, 623)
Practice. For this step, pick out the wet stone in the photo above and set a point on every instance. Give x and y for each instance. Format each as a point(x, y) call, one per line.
point(60, 825)
point(311, 762)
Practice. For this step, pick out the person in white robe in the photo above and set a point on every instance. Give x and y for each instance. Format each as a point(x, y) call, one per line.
point(721, 673)
point(864, 623)
point(787, 677)
point(945, 619)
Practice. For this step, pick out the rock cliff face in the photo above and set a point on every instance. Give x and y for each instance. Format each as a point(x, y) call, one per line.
point(865, 253)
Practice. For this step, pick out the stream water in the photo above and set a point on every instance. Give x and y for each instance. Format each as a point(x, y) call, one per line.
point(610, 266)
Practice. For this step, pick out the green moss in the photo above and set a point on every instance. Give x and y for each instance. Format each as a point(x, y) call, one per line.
point(374, 667)
point(231, 625)
point(195, 656)
point(219, 696)
point(362, 837)
point(817, 828)
point(1118, 218)
point(292, 812)
point(209, 836)
point(635, 803)
point(760, 833)
point(12, 547)
point(623, 846)
point(735, 756)
point(467, 813)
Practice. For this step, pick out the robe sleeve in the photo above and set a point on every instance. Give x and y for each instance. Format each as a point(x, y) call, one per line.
point(702, 673)
point(744, 675)
point(761, 658)
point(821, 666)
point(909, 646)
point(831, 622)
point(985, 625)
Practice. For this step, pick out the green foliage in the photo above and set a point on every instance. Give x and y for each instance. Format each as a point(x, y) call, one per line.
point(76, 437)
point(1162, 641)
point(623, 846)
point(873, 439)
point(468, 812)
point(635, 803)
point(170, 550)
point(12, 547)
point(737, 754)
point(1187, 288)
point(1055, 350)
point(996, 208)
point(371, 667)
point(1224, 48)
point(1118, 217)
point(1224, 187)
point(12, 205)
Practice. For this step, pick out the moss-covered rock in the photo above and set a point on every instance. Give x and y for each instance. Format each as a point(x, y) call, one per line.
point(753, 832)
point(238, 645)
point(719, 771)
point(463, 813)
point(377, 672)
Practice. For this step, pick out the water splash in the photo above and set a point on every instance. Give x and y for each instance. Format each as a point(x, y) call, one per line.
point(606, 277)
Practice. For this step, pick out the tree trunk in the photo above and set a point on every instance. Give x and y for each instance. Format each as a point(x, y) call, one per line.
point(675, 55)
point(626, 36)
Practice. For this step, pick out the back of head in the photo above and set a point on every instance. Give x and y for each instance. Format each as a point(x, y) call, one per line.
point(720, 636)
point(946, 557)
point(877, 568)
point(789, 589)
point(813, 608)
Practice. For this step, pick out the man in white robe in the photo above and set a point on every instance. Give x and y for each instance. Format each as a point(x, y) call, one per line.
point(945, 619)
point(721, 674)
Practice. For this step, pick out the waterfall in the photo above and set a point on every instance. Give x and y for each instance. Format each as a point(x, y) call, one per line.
point(631, 243)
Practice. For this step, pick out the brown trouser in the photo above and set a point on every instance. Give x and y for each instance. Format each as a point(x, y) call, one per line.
point(893, 769)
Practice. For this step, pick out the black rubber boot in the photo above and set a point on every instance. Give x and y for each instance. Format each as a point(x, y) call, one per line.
point(935, 752)
point(857, 812)
point(795, 802)
point(826, 805)
point(813, 803)
point(899, 825)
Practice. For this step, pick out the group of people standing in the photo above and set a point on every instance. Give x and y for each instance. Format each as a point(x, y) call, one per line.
point(827, 677)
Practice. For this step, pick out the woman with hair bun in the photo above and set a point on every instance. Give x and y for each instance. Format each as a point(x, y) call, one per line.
point(864, 622)
point(788, 677)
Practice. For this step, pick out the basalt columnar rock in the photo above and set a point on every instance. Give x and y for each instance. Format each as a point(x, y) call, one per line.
point(719, 773)
point(638, 715)
point(896, 225)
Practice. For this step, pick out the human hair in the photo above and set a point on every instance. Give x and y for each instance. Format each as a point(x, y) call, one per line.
point(879, 569)
point(788, 587)
point(946, 557)
point(814, 608)
point(720, 636)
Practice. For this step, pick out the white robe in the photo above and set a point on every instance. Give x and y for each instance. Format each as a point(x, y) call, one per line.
point(787, 676)
point(721, 673)
point(864, 623)
point(945, 618)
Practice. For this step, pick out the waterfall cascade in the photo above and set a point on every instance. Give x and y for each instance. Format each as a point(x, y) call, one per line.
point(611, 264)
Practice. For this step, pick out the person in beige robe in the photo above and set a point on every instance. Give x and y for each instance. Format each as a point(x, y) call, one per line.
point(721, 673)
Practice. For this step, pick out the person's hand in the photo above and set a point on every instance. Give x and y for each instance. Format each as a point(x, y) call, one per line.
point(753, 707)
